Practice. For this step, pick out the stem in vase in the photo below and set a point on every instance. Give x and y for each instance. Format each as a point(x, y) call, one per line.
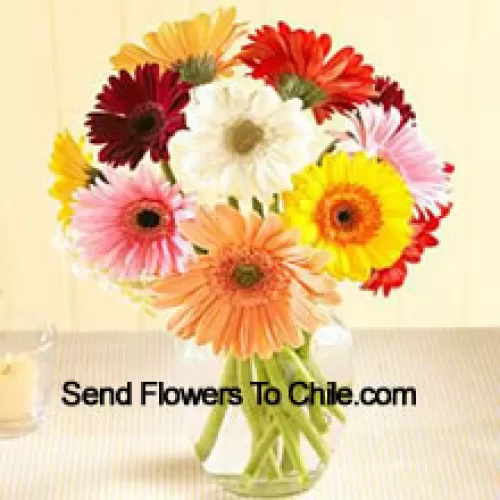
point(290, 436)
point(208, 438)
point(261, 449)
point(256, 416)
point(310, 373)
point(296, 415)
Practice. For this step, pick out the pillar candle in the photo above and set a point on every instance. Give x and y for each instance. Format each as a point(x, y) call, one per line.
point(18, 382)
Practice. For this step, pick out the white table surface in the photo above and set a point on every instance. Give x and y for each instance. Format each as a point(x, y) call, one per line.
point(445, 448)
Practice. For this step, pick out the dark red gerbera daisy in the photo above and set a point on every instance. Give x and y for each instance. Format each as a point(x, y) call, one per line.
point(140, 112)
point(390, 94)
point(424, 224)
point(298, 64)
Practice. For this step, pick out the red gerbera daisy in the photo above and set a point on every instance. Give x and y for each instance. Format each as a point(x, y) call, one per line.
point(297, 63)
point(424, 224)
point(390, 94)
point(140, 113)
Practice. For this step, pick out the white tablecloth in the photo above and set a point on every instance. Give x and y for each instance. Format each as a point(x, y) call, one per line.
point(445, 448)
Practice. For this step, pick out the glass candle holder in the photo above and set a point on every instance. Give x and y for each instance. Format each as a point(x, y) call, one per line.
point(26, 367)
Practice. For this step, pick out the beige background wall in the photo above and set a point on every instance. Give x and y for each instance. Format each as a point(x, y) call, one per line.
point(54, 57)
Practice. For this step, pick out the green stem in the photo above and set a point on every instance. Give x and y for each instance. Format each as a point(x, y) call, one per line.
point(310, 373)
point(251, 410)
point(298, 364)
point(208, 438)
point(168, 172)
point(287, 464)
point(290, 435)
point(261, 371)
point(316, 413)
point(292, 445)
point(296, 414)
point(262, 377)
point(256, 421)
point(304, 351)
point(262, 448)
point(297, 358)
point(318, 418)
point(320, 380)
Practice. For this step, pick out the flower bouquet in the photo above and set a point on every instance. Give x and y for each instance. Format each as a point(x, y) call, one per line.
point(225, 196)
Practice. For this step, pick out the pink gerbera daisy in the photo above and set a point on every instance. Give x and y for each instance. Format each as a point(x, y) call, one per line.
point(127, 224)
point(379, 132)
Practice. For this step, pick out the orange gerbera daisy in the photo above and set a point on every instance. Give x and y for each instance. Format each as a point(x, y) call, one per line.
point(254, 292)
point(194, 47)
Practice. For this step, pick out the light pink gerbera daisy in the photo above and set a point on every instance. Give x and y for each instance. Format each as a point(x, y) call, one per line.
point(379, 133)
point(127, 225)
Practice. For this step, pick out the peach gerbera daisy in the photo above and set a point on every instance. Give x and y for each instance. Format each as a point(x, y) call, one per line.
point(193, 47)
point(254, 291)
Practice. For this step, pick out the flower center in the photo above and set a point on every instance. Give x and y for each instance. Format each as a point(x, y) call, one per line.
point(147, 120)
point(244, 136)
point(148, 219)
point(197, 70)
point(247, 275)
point(344, 216)
point(251, 276)
point(308, 92)
point(349, 214)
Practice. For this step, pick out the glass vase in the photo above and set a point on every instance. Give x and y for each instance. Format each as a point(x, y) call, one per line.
point(271, 435)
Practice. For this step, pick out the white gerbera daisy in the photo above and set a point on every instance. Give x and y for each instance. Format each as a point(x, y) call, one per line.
point(241, 140)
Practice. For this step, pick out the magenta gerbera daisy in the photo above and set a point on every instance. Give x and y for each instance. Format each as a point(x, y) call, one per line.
point(127, 224)
point(138, 113)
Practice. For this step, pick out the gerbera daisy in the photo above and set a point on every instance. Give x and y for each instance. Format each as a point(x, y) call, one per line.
point(254, 292)
point(72, 168)
point(128, 225)
point(298, 64)
point(193, 47)
point(379, 134)
point(356, 208)
point(391, 95)
point(138, 113)
point(423, 226)
point(242, 141)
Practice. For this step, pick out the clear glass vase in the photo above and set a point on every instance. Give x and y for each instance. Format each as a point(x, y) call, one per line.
point(254, 445)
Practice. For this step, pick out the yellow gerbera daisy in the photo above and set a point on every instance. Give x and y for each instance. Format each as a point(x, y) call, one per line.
point(72, 168)
point(356, 208)
point(194, 47)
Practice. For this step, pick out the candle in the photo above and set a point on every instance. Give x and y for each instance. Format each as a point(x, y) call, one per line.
point(18, 382)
